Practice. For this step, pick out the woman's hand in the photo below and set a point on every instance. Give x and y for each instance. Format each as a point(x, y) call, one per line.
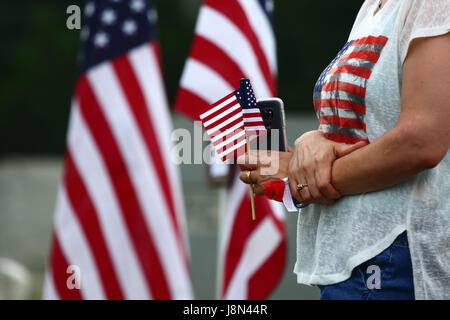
point(264, 166)
point(311, 164)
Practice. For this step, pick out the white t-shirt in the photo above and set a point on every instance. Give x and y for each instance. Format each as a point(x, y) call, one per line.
point(358, 98)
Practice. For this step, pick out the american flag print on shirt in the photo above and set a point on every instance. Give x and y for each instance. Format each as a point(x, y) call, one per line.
point(119, 215)
point(340, 92)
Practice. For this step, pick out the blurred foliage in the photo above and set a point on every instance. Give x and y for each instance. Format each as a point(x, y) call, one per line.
point(39, 58)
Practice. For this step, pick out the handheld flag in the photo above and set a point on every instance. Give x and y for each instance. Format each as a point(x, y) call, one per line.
point(231, 119)
point(253, 122)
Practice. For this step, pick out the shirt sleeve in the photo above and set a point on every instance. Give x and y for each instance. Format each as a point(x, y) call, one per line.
point(425, 18)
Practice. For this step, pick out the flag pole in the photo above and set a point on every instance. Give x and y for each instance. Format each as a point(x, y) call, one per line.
point(222, 209)
point(252, 198)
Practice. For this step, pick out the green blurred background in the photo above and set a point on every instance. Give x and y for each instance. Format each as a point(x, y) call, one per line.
point(39, 61)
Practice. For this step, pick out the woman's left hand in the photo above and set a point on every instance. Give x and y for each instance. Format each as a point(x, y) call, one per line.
point(263, 167)
point(311, 164)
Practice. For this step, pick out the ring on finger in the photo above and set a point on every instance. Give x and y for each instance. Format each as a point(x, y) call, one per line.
point(301, 186)
point(249, 177)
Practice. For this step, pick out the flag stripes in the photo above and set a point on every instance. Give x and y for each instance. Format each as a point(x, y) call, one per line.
point(240, 13)
point(84, 209)
point(234, 40)
point(92, 169)
point(215, 58)
point(138, 106)
point(117, 169)
point(242, 278)
point(58, 274)
point(119, 214)
point(76, 248)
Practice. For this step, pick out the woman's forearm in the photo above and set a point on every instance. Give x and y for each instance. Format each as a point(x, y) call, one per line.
point(387, 161)
point(422, 135)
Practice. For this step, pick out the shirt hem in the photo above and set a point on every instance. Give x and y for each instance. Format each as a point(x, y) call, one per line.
point(352, 262)
point(424, 33)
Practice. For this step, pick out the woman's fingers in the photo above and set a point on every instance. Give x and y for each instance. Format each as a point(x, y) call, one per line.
point(342, 149)
point(247, 162)
point(311, 164)
point(322, 177)
point(254, 178)
point(296, 176)
point(305, 166)
point(304, 193)
point(293, 187)
point(245, 167)
point(248, 176)
point(312, 187)
point(258, 189)
point(254, 160)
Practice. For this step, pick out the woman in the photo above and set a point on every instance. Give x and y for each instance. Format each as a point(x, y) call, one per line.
point(377, 170)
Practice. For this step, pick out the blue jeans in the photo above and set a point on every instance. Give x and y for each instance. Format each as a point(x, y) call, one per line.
point(387, 276)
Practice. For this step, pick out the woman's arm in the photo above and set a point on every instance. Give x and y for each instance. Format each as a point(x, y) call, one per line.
point(422, 136)
point(419, 141)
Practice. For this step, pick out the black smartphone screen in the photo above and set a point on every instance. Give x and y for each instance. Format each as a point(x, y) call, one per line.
point(272, 112)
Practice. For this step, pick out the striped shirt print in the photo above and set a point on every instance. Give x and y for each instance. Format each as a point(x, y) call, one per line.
point(340, 92)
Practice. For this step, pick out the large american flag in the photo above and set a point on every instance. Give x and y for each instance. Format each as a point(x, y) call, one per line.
point(119, 213)
point(233, 40)
point(340, 92)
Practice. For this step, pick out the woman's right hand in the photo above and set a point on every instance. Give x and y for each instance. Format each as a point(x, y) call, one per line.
point(311, 164)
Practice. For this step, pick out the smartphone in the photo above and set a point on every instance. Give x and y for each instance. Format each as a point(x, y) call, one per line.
point(272, 113)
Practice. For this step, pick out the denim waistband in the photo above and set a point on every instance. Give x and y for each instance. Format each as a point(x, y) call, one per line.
point(402, 239)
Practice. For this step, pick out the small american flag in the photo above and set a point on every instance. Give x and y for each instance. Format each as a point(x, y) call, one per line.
point(232, 118)
point(224, 123)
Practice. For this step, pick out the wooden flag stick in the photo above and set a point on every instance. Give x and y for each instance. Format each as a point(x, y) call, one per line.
point(252, 198)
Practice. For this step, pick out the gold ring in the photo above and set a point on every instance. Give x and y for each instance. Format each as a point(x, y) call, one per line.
point(249, 177)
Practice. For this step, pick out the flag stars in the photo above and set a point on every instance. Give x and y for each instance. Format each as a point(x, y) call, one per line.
point(89, 9)
point(129, 27)
point(137, 5)
point(84, 34)
point(152, 16)
point(109, 17)
point(101, 40)
point(269, 6)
